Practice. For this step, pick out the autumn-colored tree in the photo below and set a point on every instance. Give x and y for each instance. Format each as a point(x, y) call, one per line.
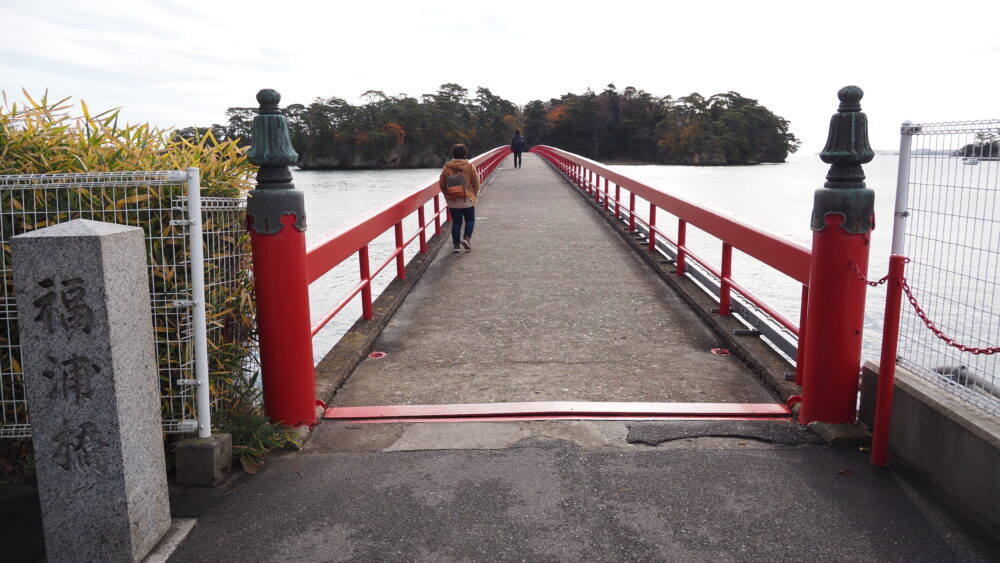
point(630, 124)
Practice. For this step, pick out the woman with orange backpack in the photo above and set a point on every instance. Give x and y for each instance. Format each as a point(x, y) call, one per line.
point(460, 186)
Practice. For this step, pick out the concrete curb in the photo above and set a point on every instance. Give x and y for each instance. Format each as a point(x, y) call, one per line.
point(760, 358)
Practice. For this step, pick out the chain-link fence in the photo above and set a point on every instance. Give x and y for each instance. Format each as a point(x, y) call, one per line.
point(156, 202)
point(951, 331)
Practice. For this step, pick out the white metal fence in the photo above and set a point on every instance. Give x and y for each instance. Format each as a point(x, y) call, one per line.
point(948, 198)
point(158, 203)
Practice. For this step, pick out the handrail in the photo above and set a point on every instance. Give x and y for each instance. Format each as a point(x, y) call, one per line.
point(340, 245)
point(787, 257)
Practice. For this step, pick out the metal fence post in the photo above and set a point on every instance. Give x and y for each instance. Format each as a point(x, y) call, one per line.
point(902, 186)
point(277, 222)
point(893, 299)
point(842, 217)
point(198, 307)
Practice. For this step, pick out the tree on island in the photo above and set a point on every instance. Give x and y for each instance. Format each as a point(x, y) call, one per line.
point(634, 125)
point(985, 147)
point(402, 131)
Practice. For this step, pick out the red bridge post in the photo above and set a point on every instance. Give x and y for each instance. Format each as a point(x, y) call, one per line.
point(277, 222)
point(842, 220)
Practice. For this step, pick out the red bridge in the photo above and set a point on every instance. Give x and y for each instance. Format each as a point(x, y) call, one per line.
point(570, 306)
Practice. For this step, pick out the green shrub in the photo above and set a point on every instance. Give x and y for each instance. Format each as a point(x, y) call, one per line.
point(43, 137)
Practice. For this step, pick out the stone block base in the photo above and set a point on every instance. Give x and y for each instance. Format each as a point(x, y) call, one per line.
point(204, 462)
point(842, 435)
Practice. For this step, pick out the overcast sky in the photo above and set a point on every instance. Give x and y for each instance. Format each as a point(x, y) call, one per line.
point(183, 62)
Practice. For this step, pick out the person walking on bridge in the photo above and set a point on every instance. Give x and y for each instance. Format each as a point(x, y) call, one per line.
point(517, 146)
point(460, 185)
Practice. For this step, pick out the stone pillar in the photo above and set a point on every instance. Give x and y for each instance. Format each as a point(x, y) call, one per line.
point(93, 391)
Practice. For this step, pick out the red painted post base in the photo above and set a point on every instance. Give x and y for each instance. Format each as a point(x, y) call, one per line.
point(836, 311)
point(286, 355)
point(887, 362)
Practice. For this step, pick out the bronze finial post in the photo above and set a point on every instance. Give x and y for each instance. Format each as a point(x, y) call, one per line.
point(842, 220)
point(277, 222)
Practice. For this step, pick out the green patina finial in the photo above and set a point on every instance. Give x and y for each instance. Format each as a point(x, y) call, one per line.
point(270, 143)
point(844, 194)
point(850, 98)
point(268, 100)
point(271, 149)
point(847, 145)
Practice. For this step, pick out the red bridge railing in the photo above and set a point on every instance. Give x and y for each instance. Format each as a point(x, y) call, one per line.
point(785, 256)
point(331, 252)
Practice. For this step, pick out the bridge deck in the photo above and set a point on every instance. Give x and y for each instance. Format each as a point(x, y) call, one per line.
point(550, 305)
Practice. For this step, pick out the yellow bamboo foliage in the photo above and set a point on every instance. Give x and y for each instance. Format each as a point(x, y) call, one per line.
point(43, 137)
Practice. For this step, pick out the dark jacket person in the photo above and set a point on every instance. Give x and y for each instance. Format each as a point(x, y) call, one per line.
point(517, 146)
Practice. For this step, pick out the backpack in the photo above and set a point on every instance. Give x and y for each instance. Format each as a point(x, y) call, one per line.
point(518, 143)
point(454, 186)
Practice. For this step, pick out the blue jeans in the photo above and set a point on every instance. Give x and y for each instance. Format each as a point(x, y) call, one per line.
point(457, 215)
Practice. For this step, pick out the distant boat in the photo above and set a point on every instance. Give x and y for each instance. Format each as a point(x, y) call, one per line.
point(970, 161)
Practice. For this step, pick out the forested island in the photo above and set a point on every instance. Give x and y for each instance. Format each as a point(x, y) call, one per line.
point(628, 125)
point(985, 147)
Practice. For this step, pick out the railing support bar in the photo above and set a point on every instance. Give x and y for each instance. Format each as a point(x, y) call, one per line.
point(423, 230)
point(366, 292)
point(631, 212)
point(681, 245)
point(400, 255)
point(725, 283)
point(652, 227)
point(437, 215)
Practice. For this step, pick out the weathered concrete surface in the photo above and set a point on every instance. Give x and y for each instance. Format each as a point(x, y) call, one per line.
point(551, 304)
point(950, 444)
point(584, 494)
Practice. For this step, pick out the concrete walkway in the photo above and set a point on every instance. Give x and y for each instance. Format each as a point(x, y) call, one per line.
point(702, 494)
point(551, 304)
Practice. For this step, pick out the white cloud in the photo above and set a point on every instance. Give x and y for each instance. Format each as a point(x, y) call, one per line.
point(181, 62)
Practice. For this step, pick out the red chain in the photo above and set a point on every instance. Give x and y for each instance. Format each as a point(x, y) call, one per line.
point(923, 316)
point(864, 279)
